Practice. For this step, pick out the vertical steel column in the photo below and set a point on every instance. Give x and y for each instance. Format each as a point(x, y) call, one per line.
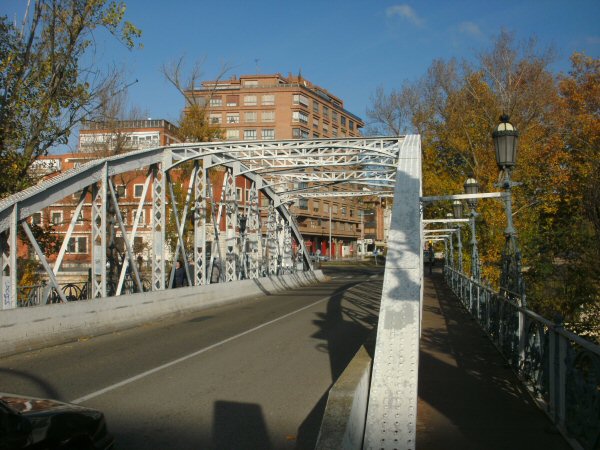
point(230, 226)
point(99, 203)
point(253, 227)
point(287, 262)
point(8, 276)
point(158, 227)
point(392, 409)
point(7, 301)
point(200, 225)
point(272, 240)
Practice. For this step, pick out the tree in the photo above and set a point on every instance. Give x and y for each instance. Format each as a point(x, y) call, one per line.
point(556, 207)
point(193, 125)
point(45, 90)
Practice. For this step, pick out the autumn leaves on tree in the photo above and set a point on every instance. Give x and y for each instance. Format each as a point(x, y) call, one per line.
point(455, 107)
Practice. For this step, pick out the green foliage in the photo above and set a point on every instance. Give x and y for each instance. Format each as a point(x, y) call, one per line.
point(44, 91)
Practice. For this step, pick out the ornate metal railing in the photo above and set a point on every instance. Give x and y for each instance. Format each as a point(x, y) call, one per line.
point(560, 369)
point(44, 293)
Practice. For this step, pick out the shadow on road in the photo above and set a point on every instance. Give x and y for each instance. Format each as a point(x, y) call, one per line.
point(239, 426)
point(39, 387)
point(351, 316)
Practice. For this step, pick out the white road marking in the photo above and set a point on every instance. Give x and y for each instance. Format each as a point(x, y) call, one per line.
point(191, 355)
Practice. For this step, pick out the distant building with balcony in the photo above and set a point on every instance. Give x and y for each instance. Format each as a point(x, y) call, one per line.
point(125, 135)
point(275, 107)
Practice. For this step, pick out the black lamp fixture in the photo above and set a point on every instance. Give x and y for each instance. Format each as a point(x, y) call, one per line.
point(471, 187)
point(242, 223)
point(506, 139)
point(457, 207)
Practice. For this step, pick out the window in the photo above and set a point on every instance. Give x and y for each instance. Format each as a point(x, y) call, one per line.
point(326, 207)
point(334, 132)
point(121, 190)
point(249, 134)
point(138, 190)
point(299, 133)
point(351, 125)
point(351, 213)
point(268, 99)
point(250, 83)
point(315, 205)
point(334, 116)
point(316, 135)
point(325, 112)
point(344, 210)
point(316, 124)
point(216, 101)
point(77, 245)
point(250, 100)
point(215, 118)
point(79, 217)
point(71, 246)
point(268, 134)
point(334, 209)
point(232, 100)
point(36, 218)
point(233, 117)
point(315, 107)
point(268, 116)
point(303, 203)
point(343, 121)
point(325, 128)
point(124, 216)
point(299, 116)
point(248, 192)
point(250, 117)
point(142, 221)
point(299, 99)
point(233, 134)
point(81, 244)
point(239, 194)
point(57, 217)
point(200, 101)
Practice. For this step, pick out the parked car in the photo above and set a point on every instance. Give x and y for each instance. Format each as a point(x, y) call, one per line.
point(314, 257)
point(36, 423)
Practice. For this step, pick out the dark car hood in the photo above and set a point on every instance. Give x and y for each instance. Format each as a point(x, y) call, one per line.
point(31, 406)
point(51, 422)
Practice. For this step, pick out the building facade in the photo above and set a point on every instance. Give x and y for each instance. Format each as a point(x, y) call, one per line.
point(274, 107)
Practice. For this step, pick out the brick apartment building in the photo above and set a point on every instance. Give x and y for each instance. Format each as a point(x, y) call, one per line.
point(274, 107)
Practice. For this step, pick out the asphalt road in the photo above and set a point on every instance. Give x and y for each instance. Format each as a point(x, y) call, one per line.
point(253, 375)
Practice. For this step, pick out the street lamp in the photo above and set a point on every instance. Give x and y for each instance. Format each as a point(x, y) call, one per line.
point(457, 207)
point(472, 187)
point(505, 141)
point(450, 216)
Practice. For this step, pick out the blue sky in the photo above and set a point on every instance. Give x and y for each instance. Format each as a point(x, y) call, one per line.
point(348, 47)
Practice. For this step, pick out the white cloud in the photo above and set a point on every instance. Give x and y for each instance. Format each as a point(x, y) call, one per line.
point(406, 12)
point(470, 28)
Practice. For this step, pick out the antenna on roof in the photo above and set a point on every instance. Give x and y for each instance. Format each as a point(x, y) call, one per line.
point(256, 60)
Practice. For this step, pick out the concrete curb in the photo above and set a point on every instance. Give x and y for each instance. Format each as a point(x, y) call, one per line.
point(25, 329)
point(345, 415)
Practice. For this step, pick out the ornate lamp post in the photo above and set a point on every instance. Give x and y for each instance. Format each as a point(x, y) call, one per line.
point(472, 187)
point(457, 206)
point(451, 243)
point(505, 141)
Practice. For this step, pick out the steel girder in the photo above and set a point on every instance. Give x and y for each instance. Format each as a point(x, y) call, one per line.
point(95, 177)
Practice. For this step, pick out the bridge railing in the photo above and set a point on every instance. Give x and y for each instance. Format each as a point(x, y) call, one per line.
point(560, 369)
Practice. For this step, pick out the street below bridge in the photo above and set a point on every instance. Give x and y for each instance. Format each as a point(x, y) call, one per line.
point(254, 375)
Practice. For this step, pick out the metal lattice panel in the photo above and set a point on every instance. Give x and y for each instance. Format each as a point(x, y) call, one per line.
point(158, 228)
point(199, 225)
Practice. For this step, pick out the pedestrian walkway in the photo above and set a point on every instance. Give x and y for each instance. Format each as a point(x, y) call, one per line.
point(468, 397)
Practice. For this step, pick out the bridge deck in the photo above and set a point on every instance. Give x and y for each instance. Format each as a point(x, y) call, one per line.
point(468, 397)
